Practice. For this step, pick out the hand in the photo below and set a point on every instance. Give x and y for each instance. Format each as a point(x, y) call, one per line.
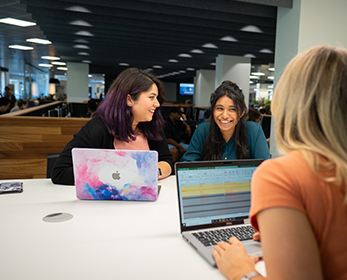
point(232, 259)
point(183, 150)
point(188, 130)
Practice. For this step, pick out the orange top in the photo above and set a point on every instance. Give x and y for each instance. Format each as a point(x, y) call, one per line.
point(140, 143)
point(288, 181)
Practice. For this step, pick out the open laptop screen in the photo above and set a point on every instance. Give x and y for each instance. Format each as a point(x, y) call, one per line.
point(214, 192)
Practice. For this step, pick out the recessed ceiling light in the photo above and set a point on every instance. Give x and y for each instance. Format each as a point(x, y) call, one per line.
point(186, 55)
point(190, 69)
point(271, 77)
point(258, 73)
point(81, 47)
point(228, 39)
point(253, 77)
point(90, 75)
point(251, 28)
point(78, 9)
point(210, 46)
point(83, 53)
point(213, 63)
point(265, 51)
point(19, 47)
point(84, 33)
point(81, 41)
point(58, 63)
point(62, 68)
point(250, 55)
point(86, 61)
point(250, 82)
point(271, 69)
point(45, 65)
point(39, 41)
point(182, 71)
point(50, 57)
point(80, 23)
point(149, 69)
point(197, 51)
point(17, 22)
point(157, 66)
point(173, 60)
point(123, 64)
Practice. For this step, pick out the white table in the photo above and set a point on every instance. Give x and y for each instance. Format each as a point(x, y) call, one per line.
point(103, 240)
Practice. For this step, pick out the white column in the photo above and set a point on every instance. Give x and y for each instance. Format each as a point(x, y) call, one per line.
point(77, 82)
point(204, 86)
point(236, 69)
point(309, 23)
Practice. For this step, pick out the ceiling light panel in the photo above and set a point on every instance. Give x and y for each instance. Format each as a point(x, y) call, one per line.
point(210, 46)
point(79, 9)
point(80, 23)
point(50, 57)
point(84, 33)
point(186, 55)
point(20, 47)
point(228, 39)
point(81, 47)
point(251, 28)
point(17, 22)
point(58, 63)
point(173, 60)
point(39, 41)
point(197, 51)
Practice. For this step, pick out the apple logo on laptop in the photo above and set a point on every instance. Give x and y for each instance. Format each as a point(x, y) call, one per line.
point(116, 175)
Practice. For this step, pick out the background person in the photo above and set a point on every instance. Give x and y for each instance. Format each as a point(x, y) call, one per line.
point(228, 135)
point(127, 118)
point(21, 104)
point(4, 105)
point(299, 200)
point(174, 128)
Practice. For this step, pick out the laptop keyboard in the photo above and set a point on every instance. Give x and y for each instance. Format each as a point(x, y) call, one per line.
point(212, 237)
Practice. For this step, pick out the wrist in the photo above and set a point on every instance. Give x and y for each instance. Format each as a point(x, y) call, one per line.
point(250, 275)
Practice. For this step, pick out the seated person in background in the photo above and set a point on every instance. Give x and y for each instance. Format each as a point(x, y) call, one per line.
point(21, 104)
point(92, 106)
point(228, 135)
point(262, 109)
point(5, 104)
point(127, 118)
point(182, 114)
point(207, 115)
point(254, 115)
point(173, 129)
point(299, 200)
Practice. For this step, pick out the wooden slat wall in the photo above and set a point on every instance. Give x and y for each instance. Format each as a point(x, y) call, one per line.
point(26, 141)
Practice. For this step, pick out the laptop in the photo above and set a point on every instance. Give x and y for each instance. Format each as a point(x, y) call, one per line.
point(108, 174)
point(214, 201)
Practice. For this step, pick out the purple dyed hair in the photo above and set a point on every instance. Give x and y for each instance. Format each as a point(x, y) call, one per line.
point(117, 115)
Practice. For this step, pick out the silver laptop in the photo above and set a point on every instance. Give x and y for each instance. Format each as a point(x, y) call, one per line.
point(108, 174)
point(214, 202)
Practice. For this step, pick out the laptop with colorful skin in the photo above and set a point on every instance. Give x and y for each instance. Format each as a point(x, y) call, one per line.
point(214, 202)
point(108, 174)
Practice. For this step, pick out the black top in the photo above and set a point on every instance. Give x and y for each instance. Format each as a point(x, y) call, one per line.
point(173, 131)
point(95, 135)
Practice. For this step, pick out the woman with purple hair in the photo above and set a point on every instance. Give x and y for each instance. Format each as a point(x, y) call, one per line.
point(127, 118)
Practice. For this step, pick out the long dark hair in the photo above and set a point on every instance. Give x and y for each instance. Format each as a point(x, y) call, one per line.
point(117, 115)
point(213, 148)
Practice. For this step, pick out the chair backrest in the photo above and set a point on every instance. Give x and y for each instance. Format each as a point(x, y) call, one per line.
point(266, 125)
point(51, 159)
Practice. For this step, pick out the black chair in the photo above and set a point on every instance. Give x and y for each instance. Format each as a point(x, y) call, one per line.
point(51, 159)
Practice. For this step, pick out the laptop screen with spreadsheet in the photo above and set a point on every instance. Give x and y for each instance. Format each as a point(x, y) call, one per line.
point(214, 193)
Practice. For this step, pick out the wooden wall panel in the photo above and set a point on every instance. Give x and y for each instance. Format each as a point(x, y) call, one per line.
point(26, 141)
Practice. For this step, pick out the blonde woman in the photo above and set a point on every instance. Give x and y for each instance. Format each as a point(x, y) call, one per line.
point(299, 202)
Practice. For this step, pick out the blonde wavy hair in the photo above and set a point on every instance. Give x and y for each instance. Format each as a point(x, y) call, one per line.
point(310, 106)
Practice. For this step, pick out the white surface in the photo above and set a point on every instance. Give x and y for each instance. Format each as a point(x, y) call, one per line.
point(103, 240)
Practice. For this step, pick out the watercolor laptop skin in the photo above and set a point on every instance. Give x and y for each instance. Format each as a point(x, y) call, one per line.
point(108, 174)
